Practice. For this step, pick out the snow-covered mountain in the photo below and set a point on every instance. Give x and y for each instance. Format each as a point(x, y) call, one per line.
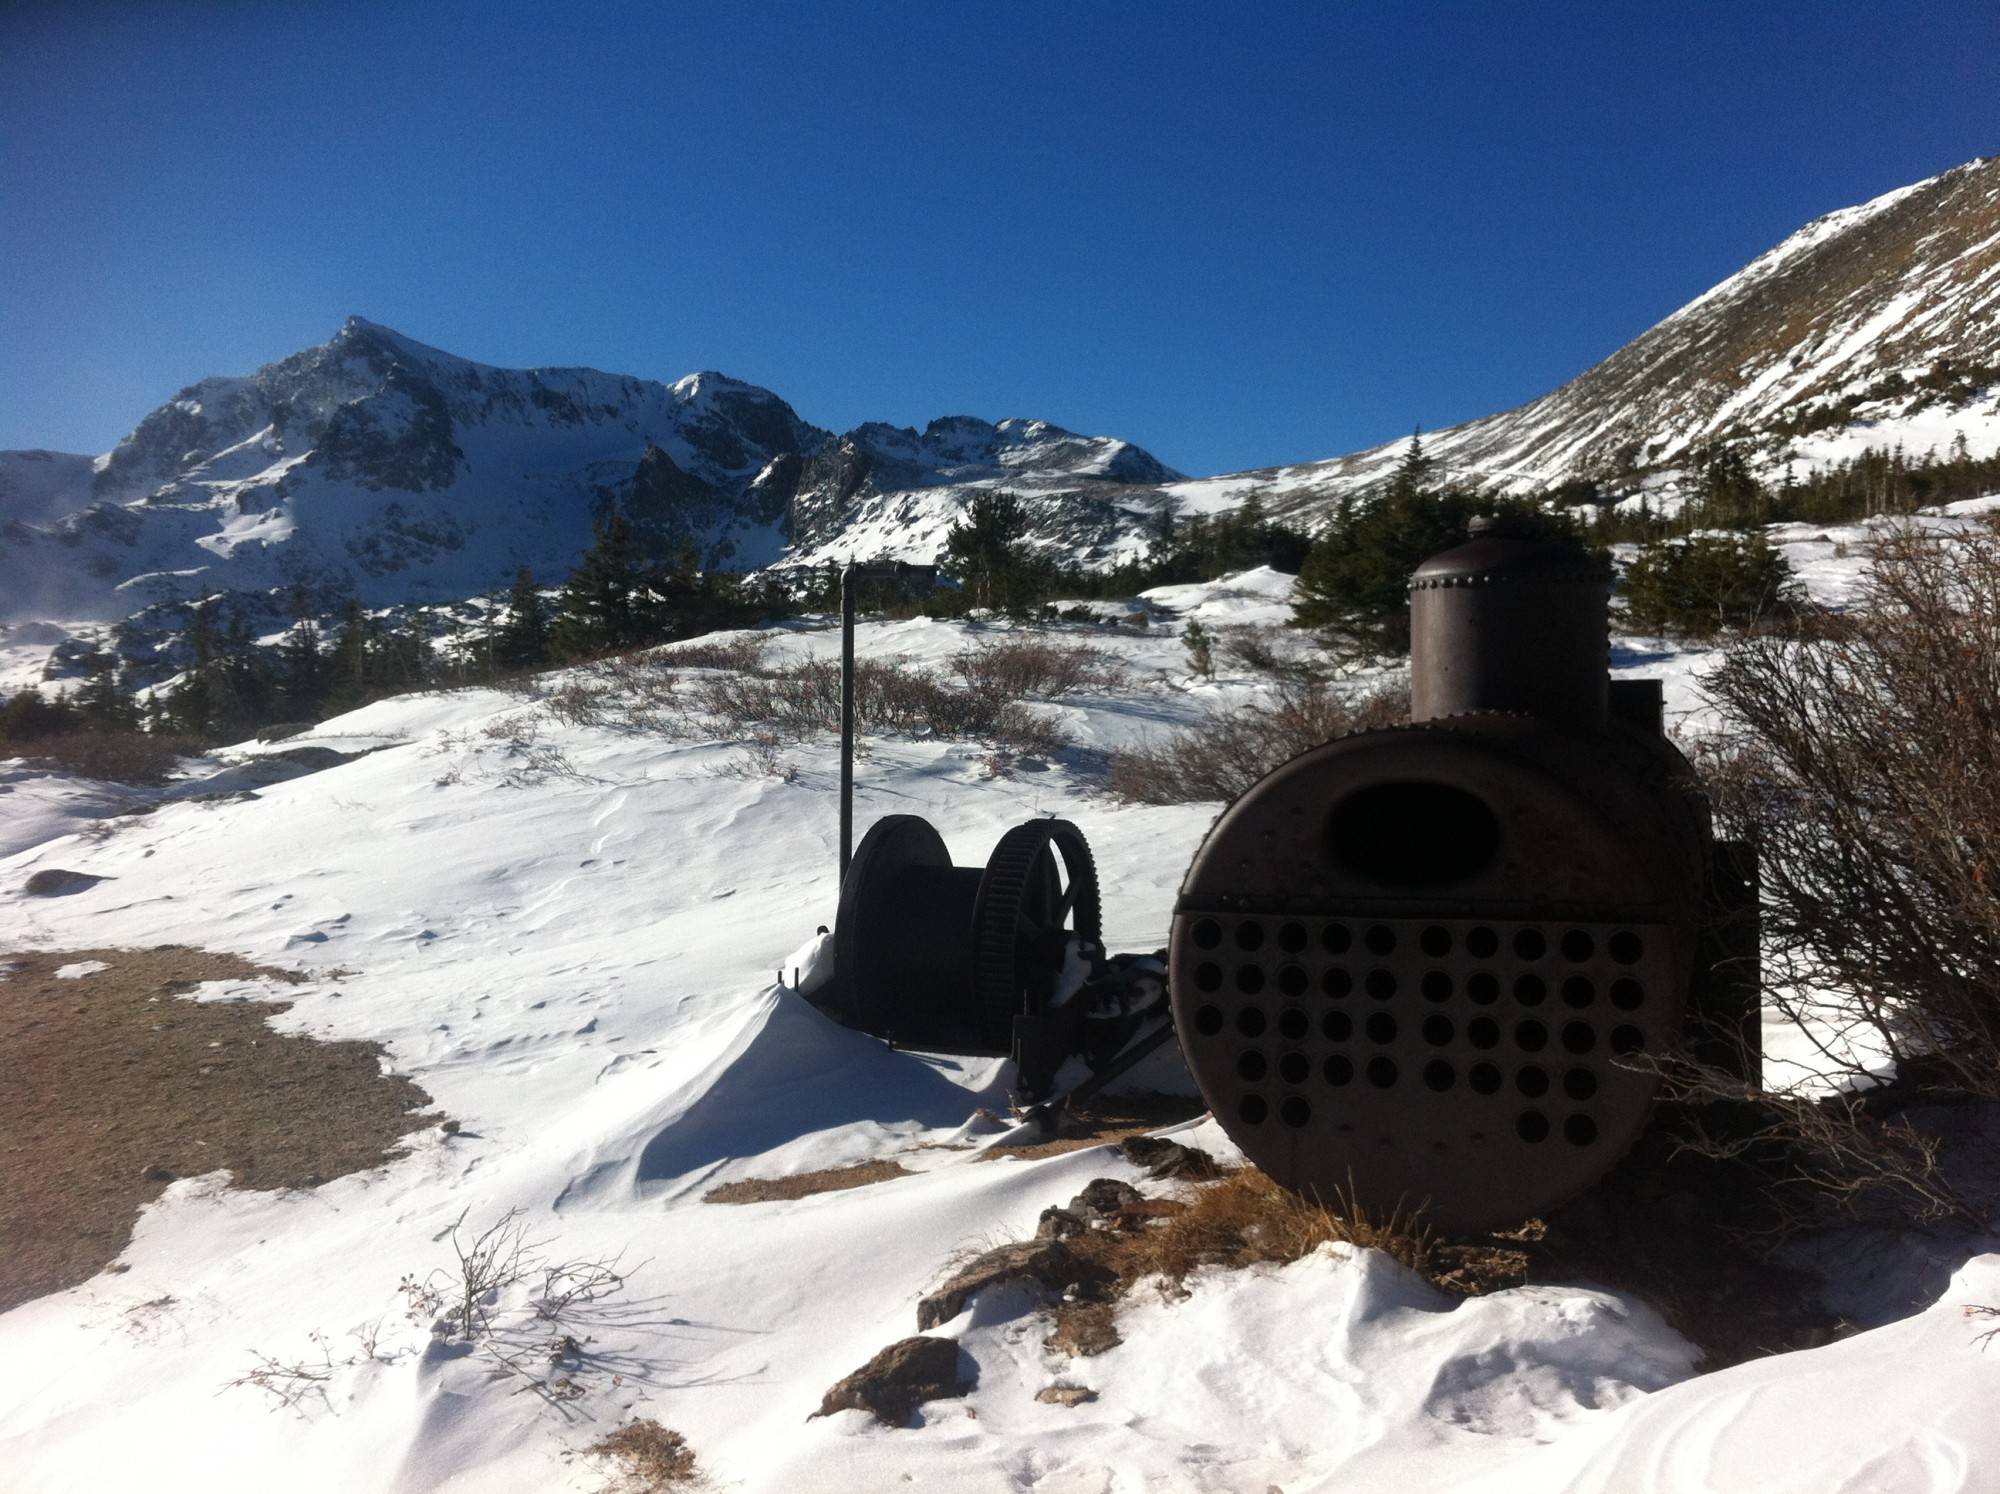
point(1874, 325)
point(376, 466)
point(886, 490)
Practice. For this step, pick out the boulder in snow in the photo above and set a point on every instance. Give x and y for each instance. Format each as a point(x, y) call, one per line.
point(898, 1380)
point(1048, 1262)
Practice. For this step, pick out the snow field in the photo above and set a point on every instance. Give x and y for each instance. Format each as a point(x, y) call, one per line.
point(578, 967)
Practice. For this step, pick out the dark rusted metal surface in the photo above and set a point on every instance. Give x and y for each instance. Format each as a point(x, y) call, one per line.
point(1426, 966)
point(954, 959)
point(1510, 622)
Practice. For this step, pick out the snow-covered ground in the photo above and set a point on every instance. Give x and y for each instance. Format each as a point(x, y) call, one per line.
point(574, 955)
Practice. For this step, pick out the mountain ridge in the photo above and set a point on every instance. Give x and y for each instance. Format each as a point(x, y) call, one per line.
point(378, 466)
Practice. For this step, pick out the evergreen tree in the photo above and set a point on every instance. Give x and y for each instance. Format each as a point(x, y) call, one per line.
point(1413, 472)
point(1353, 588)
point(985, 547)
point(228, 689)
point(102, 706)
point(608, 602)
point(523, 640)
point(27, 715)
point(348, 681)
point(1708, 583)
point(301, 670)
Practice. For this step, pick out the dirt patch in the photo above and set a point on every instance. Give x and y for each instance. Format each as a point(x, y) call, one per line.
point(111, 1087)
point(1106, 1118)
point(805, 1184)
point(1083, 1329)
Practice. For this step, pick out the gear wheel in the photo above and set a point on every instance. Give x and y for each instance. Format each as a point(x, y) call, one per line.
point(1021, 922)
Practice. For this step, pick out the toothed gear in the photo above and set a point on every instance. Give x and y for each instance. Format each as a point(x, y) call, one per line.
point(1021, 925)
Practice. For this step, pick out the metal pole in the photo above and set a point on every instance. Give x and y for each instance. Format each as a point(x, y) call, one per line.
point(846, 720)
point(850, 575)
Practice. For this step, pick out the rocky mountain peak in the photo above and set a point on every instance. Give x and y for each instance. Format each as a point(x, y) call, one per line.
point(378, 466)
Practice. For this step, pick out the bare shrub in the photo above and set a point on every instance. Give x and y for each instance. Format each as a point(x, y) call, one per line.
point(292, 1383)
point(648, 1458)
point(1867, 767)
point(1016, 727)
point(1223, 755)
point(734, 655)
point(116, 757)
point(517, 728)
point(575, 703)
point(800, 702)
point(1252, 647)
point(762, 757)
point(1035, 669)
point(479, 1300)
point(1863, 758)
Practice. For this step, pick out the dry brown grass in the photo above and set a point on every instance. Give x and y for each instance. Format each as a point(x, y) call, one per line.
point(805, 1184)
point(1223, 755)
point(111, 1086)
point(647, 1458)
point(1245, 1220)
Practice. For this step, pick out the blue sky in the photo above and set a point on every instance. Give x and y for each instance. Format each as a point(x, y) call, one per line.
point(1237, 235)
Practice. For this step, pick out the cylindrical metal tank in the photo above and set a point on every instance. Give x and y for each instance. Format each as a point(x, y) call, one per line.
point(1510, 621)
point(1428, 966)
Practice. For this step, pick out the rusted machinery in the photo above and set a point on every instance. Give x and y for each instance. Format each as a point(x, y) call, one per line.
point(1427, 964)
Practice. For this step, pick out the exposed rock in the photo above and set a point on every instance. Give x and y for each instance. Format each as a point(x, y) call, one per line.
point(54, 882)
point(898, 1380)
point(1084, 1328)
point(1059, 1224)
point(1100, 1197)
point(1166, 1158)
point(1049, 1262)
point(1064, 1395)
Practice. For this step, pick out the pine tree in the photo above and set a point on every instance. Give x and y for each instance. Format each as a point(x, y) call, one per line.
point(985, 546)
point(302, 673)
point(228, 689)
point(100, 703)
point(27, 715)
point(1413, 472)
point(348, 680)
point(608, 602)
point(523, 640)
point(1353, 588)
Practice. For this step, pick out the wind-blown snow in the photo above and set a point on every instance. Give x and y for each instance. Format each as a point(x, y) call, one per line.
point(577, 963)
